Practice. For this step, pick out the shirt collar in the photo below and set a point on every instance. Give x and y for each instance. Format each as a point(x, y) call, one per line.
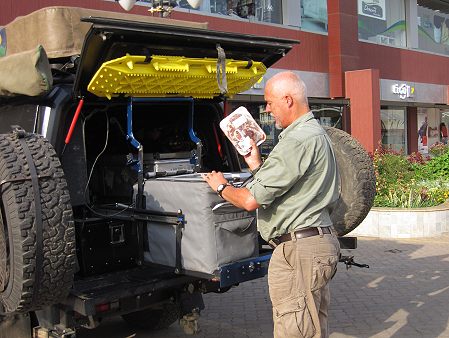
point(300, 120)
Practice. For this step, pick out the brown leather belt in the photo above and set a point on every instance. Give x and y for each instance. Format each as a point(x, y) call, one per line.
point(301, 233)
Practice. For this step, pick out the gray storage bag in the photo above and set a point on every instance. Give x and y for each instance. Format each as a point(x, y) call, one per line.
point(215, 232)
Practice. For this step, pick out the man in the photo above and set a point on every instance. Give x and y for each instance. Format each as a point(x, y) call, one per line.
point(293, 190)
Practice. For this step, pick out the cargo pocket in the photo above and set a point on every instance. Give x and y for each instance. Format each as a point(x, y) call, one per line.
point(323, 270)
point(292, 319)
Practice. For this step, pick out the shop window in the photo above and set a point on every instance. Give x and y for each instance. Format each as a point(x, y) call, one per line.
point(268, 125)
point(314, 15)
point(393, 128)
point(254, 10)
point(185, 4)
point(382, 22)
point(433, 124)
point(330, 116)
point(422, 132)
point(219, 7)
point(433, 30)
point(258, 10)
point(444, 126)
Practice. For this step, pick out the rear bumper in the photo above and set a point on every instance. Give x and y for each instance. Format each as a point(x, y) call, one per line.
point(245, 270)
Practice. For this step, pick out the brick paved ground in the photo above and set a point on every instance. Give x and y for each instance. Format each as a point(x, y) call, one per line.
point(405, 293)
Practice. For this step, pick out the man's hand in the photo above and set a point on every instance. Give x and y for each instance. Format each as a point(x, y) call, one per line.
point(214, 179)
point(253, 159)
point(240, 197)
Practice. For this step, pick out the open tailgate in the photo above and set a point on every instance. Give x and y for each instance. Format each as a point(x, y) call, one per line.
point(109, 40)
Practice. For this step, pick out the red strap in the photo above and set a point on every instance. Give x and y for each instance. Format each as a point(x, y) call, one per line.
point(218, 141)
point(75, 118)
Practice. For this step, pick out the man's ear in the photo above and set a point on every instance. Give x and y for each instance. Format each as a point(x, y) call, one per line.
point(289, 100)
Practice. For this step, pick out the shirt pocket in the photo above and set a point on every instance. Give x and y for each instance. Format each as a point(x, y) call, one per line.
point(323, 269)
point(291, 317)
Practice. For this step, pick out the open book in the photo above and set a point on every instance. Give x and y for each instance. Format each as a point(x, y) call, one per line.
point(240, 127)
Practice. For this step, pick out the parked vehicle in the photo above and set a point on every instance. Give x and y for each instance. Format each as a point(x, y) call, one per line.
point(104, 127)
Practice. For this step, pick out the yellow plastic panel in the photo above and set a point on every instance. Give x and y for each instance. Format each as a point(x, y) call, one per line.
point(171, 76)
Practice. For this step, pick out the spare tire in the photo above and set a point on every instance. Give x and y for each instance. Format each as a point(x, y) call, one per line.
point(358, 182)
point(37, 235)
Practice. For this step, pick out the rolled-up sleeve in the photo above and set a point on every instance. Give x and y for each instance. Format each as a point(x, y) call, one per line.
point(285, 165)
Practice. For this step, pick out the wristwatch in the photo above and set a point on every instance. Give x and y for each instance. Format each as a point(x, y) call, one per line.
point(220, 188)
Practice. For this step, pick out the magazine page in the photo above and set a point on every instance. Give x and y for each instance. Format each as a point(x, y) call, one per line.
point(240, 127)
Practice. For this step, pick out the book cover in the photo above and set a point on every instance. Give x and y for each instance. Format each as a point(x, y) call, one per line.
point(240, 127)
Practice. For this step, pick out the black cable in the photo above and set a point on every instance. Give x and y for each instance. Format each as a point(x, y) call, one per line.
point(93, 167)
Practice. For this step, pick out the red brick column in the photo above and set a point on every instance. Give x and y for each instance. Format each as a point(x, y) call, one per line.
point(363, 91)
point(342, 42)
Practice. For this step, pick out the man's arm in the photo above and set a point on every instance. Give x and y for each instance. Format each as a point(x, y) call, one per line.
point(240, 197)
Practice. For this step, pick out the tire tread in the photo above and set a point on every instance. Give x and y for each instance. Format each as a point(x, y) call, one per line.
point(23, 294)
point(358, 181)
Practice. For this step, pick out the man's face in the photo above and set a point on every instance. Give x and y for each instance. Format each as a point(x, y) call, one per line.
point(275, 105)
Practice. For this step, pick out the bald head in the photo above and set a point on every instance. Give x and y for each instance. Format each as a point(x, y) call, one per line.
point(288, 83)
point(286, 97)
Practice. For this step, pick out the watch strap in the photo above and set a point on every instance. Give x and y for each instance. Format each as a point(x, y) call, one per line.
point(220, 189)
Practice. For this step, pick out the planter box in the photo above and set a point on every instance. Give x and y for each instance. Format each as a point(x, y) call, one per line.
point(404, 223)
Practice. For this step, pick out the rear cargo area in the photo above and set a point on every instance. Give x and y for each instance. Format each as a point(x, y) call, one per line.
point(179, 139)
point(169, 134)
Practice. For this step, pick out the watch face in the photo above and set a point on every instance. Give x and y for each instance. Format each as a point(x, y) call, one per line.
point(220, 189)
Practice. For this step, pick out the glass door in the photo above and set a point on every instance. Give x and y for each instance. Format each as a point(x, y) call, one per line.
point(393, 128)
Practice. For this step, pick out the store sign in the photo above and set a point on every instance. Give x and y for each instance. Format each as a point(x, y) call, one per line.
point(372, 8)
point(403, 90)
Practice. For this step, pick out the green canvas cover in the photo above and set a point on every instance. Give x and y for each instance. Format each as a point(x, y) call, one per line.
point(57, 32)
point(25, 73)
point(60, 30)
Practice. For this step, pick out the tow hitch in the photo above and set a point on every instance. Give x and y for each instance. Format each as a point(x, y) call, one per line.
point(349, 243)
point(349, 261)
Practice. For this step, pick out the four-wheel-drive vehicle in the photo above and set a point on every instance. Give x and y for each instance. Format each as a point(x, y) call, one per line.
point(106, 121)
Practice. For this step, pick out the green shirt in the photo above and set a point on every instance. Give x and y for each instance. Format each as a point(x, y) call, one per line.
point(297, 182)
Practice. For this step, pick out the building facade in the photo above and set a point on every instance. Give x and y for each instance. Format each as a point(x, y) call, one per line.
point(378, 69)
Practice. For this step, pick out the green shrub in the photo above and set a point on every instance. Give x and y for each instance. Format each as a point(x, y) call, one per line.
point(436, 168)
point(411, 181)
point(438, 149)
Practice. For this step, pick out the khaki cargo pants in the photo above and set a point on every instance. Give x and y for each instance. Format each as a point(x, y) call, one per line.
point(298, 277)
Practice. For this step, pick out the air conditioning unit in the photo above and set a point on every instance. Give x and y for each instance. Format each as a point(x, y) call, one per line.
point(385, 40)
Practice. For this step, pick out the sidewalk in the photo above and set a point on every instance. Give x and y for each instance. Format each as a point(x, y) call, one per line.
point(404, 293)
